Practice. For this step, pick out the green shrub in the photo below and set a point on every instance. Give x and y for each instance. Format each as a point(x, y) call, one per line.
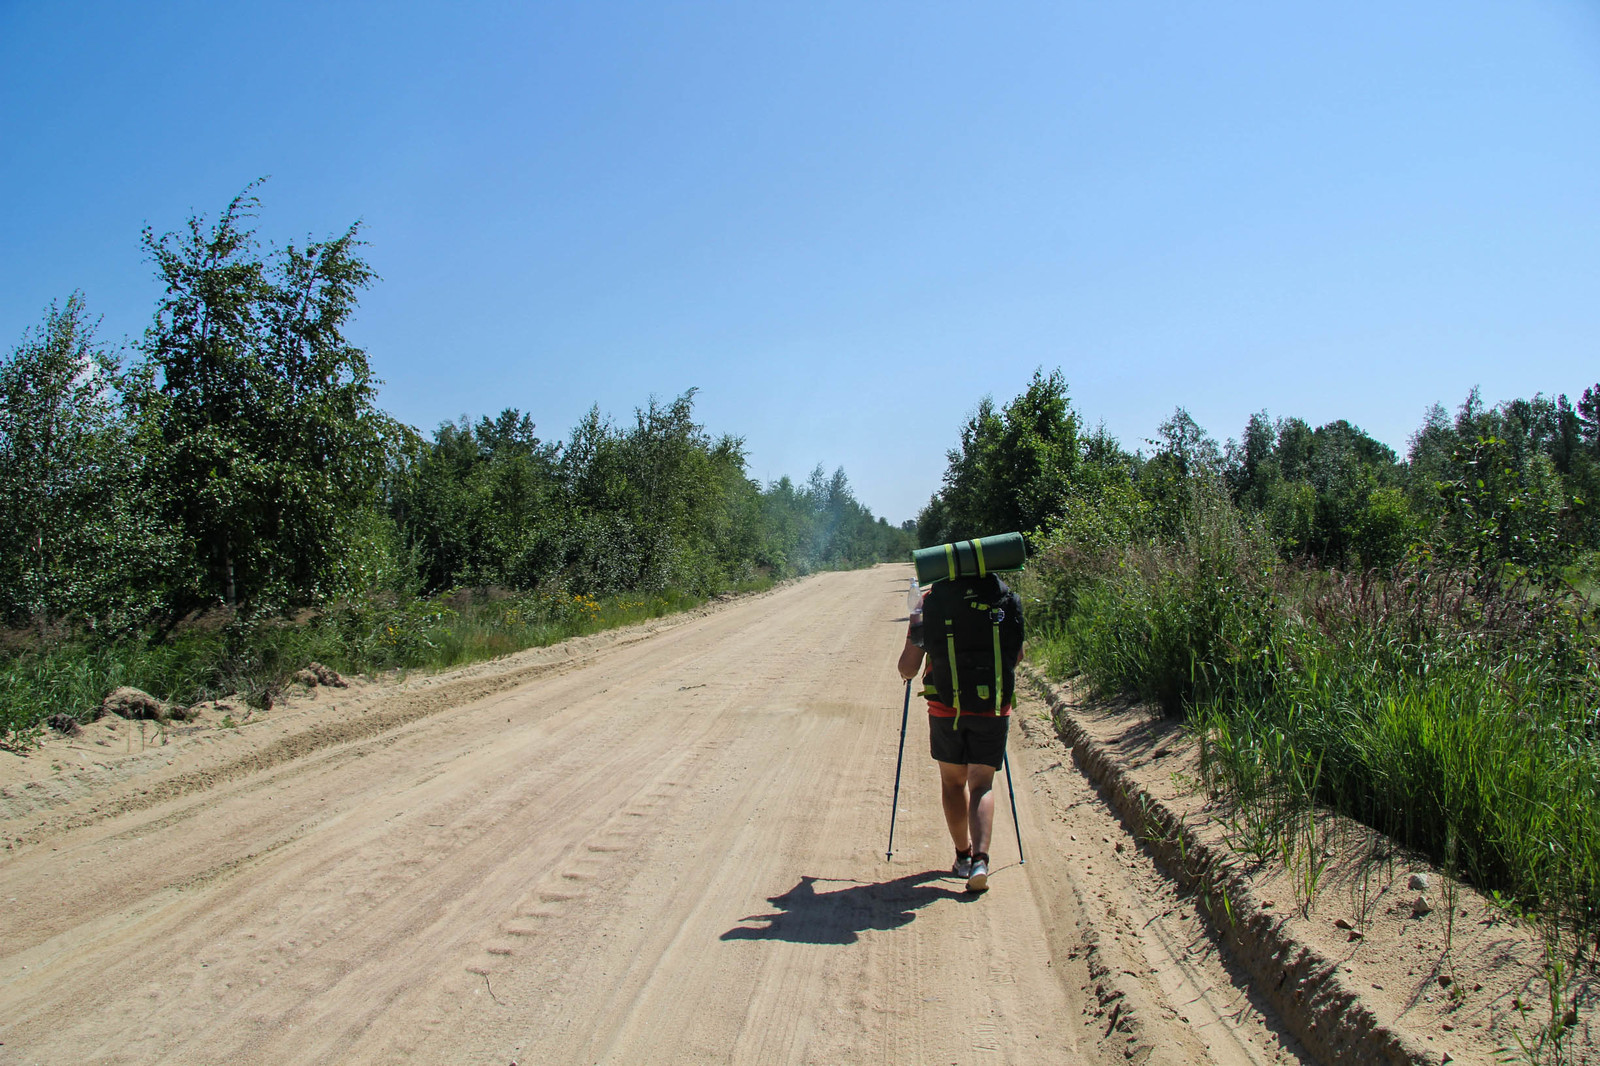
point(1161, 619)
point(1455, 710)
point(257, 658)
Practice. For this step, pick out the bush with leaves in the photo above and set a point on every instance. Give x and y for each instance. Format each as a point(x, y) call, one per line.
point(79, 542)
point(269, 440)
point(1012, 469)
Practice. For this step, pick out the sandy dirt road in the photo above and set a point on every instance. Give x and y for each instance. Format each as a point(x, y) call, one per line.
point(672, 852)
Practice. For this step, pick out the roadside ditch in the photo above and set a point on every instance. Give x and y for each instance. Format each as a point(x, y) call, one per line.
point(1366, 954)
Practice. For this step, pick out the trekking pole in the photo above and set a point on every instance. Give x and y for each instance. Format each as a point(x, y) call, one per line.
point(1006, 760)
point(905, 713)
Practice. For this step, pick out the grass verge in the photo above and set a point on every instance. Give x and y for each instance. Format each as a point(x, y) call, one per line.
point(1457, 712)
point(256, 658)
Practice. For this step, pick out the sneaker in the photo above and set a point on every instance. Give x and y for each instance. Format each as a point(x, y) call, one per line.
point(978, 875)
point(963, 866)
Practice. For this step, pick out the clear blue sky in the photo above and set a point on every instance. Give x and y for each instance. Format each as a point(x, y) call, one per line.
point(846, 222)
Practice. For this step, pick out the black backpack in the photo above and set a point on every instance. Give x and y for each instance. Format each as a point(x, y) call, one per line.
point(972, 632)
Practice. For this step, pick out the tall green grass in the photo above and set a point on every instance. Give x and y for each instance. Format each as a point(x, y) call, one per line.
point(1454, 711)
point(257, 658)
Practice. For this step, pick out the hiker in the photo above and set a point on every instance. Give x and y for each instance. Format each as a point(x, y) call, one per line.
point(979, 620)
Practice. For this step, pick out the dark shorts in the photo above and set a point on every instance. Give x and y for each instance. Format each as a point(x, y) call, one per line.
point(980, 738)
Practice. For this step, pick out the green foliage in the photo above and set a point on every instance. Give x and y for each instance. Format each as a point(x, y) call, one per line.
point(1510, 486)
point(1457, 721)
point(242, 462)
point(481, 504)
point(1502, 510)
point(257, 657)
point(1447, 701)
point(1086, 545)
point(77, 542)
point(657, 503)
point(1330, 493)
point(1488, 488)
point(1384, 528)
point(1012, 469)
point(1185, 457)
point(1412, 643)
point(1161, 619)
point(1453, 715)
point(269, 441)
point(660, 504)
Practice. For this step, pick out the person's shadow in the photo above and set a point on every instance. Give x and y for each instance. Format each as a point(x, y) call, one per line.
point(807, 916)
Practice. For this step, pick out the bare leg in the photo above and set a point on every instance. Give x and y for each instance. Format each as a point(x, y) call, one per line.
point(979, 788)
point(953, 797)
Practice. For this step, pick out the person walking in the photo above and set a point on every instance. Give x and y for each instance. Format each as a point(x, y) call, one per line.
point(969, 632)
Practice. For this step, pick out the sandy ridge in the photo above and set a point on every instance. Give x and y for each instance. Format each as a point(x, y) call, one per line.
point(666, 848)
point(1348, 997)
point(401, 705)
point(1303, 983)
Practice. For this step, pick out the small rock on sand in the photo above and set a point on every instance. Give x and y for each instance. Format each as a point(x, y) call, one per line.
point(316, 674)
point(128, 702)
point(64, 724)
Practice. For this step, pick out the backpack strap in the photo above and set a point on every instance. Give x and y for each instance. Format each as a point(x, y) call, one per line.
point(956, 551)
point(955, 677)
point(999, 667)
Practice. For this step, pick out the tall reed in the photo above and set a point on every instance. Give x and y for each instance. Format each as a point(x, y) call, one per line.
point(1455, 711)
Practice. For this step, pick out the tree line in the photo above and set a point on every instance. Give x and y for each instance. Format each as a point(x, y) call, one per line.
point(1411, 641)
point(1515, 484)
point(239, 457)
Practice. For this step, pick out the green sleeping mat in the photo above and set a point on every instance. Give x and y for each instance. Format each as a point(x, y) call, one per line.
point(969, 558)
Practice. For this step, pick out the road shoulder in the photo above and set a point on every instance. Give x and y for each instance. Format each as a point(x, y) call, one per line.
point(1335, 942)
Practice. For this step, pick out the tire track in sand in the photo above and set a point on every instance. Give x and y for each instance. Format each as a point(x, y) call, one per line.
point(670, 852)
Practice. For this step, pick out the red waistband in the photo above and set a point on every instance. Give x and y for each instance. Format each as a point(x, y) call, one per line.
point(941, 710)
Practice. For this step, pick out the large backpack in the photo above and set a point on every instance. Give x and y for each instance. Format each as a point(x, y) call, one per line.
point(972, 632)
